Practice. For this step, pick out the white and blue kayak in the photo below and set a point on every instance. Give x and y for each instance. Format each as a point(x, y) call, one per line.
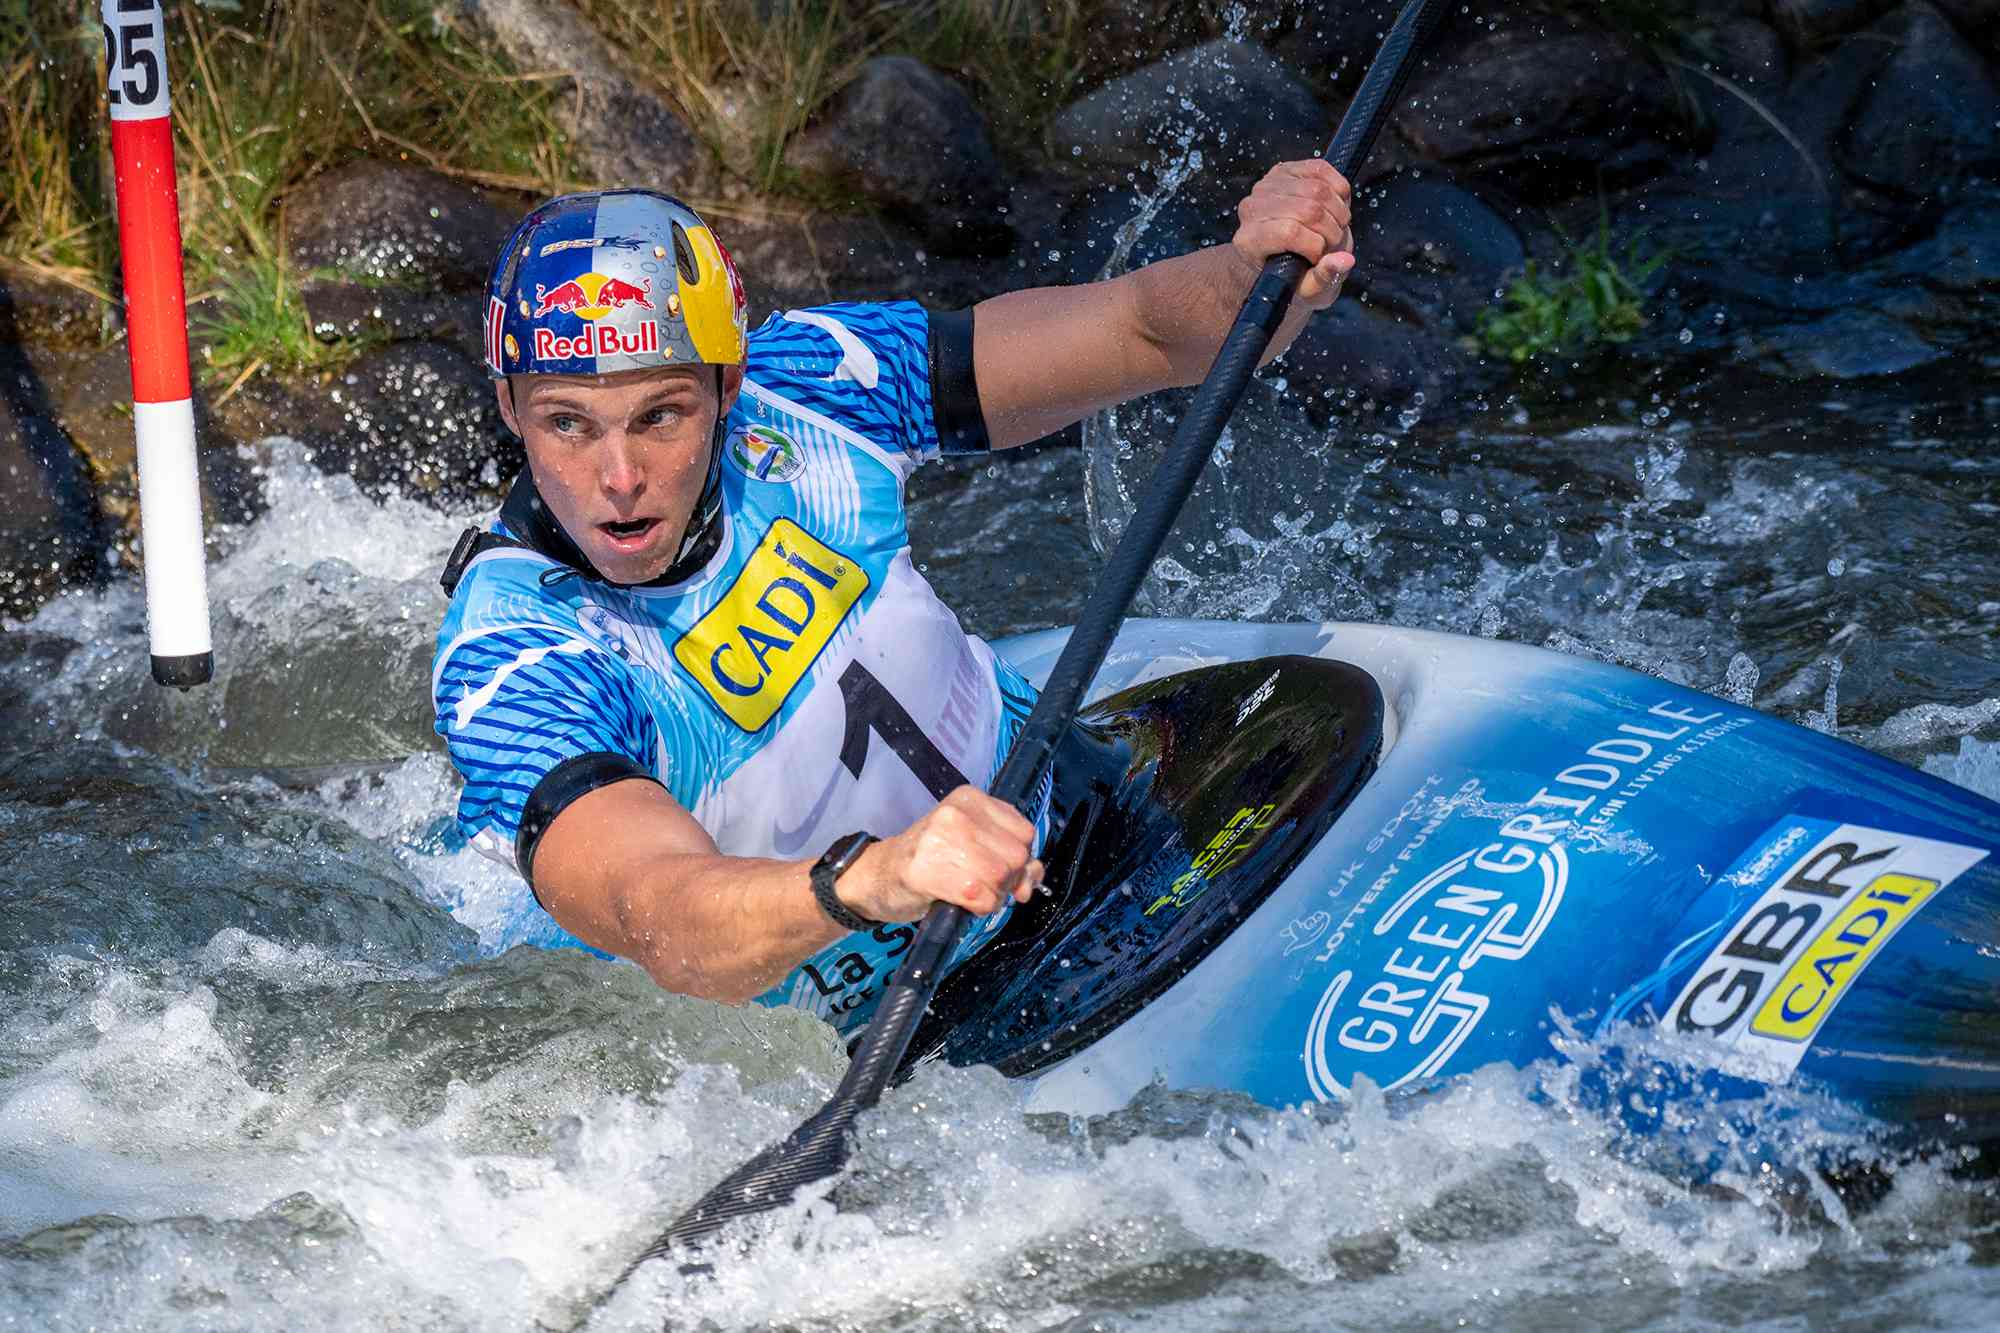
point(1287, 858)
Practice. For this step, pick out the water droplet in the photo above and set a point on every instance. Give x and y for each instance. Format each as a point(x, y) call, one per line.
point(1687, 335)
point(1836, 567)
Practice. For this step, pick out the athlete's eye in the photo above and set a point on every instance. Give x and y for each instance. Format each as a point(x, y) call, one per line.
point(660, 416)
point(562, 423)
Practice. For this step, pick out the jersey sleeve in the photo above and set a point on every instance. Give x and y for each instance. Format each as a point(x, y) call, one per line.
point(892, 371)
point(516, 705)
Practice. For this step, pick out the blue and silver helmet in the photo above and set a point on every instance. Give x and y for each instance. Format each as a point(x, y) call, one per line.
point(612, 280)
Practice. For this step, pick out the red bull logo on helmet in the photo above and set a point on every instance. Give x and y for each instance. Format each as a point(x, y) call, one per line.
point(598, 340)
point(592, 296)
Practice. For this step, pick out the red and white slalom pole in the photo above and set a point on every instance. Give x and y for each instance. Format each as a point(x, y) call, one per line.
point(149, 243)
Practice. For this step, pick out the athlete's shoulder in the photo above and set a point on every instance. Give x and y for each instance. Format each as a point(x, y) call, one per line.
point(505, 598)
point(864, 366)
point(845, 342)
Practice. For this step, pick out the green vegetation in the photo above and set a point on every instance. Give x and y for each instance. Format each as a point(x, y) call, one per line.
point(748, 75)
point(1596, 299)
point(267, 93)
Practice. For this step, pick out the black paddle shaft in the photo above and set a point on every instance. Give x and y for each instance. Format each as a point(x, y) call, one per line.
point(819, 1147)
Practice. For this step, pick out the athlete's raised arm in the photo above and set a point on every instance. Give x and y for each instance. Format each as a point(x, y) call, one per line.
point(1047, 357)
point(627, 870)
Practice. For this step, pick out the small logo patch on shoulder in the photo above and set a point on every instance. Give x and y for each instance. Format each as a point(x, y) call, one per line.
point(764, 454)
point(754, 646)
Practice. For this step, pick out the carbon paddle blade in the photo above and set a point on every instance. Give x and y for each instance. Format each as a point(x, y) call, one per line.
point(814, 1151)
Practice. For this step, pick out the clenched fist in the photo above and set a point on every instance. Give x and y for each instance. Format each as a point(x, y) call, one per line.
point(971, 851)
point(1301, 208)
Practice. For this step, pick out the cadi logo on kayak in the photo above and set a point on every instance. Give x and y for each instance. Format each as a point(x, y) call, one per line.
point(1822, 916)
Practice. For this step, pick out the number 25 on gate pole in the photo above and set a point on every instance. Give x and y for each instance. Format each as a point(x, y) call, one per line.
point(149, 246)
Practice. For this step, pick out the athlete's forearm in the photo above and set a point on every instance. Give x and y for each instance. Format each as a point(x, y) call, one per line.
point(1185, 306)
point(724, 928)
point(1050, 356)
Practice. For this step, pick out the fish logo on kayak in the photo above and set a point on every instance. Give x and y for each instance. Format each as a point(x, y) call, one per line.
point(1782, 965)
point(1302, 931)
point(1405, 1017)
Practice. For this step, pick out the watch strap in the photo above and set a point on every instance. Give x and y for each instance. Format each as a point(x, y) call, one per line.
point(826, 872)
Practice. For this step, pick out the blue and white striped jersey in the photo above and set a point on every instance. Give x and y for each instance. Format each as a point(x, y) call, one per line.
point(804, 684)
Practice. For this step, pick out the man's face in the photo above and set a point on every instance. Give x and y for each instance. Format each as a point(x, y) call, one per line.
point(620, 459)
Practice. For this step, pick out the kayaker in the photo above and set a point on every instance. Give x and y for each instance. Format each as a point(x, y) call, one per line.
point(702, 700)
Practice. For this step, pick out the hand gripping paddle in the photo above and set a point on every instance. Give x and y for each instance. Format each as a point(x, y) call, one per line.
point(818, 1148)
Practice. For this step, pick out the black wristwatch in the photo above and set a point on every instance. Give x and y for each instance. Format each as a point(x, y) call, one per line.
point(830, 868)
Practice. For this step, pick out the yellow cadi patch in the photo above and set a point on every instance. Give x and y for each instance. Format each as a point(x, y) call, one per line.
point(1813, 984)
point(755, 645)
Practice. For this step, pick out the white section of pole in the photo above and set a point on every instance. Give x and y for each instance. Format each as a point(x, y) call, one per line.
point(170, 526)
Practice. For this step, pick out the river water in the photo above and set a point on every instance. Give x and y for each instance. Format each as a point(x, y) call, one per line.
point(257, 1069)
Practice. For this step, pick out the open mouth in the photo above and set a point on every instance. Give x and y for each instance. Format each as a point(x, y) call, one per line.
point(629, 533)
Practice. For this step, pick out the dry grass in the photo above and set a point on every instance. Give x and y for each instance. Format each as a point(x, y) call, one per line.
point(748, 76)
point(51, 213)
point(266, 93)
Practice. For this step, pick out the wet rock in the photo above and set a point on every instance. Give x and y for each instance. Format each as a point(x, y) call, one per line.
point(1331, 44)
point(1766, 202)
point(1352, 357)
point(1962, 258)
point(1100, 221)
point(51, 314)
point(1230, 100)
point(1135, 33)
point(1432, 251)
point(1978, 20)
point(1747, 62)
point(626, 134)
point(416, 419)
point(349, 311)
point(389, 222)
point(1547, 110)
point(87, 395)
point(786, 262)
point(1809, 22)
point(908, 140)
point(51, 533)
point(1929, 122)
point(1849, 344)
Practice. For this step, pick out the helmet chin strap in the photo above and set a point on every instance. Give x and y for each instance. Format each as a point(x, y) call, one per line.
point(704, 529)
